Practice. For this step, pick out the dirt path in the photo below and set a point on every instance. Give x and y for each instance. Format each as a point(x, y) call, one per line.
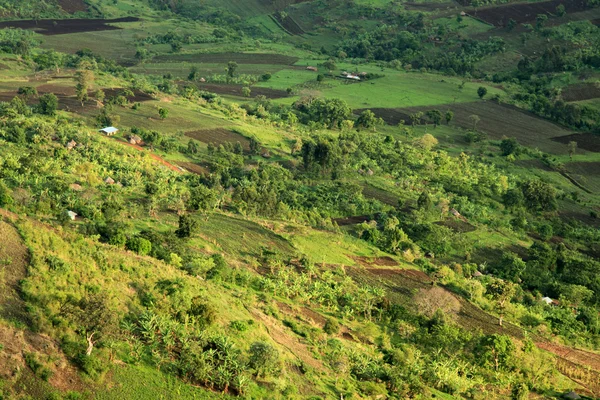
point(154, 156)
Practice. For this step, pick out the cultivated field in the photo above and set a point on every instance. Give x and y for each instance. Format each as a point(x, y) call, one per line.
point(586, 141)
point(499, 121)
point(526, 12)
point(236, 90)
point(219, 136)
point(66, 26)
point(224, 58)
point(581, 91)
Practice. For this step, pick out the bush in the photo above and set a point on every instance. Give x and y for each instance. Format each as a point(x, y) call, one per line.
point(263, 358)
point(331, 327)
point(139, 245)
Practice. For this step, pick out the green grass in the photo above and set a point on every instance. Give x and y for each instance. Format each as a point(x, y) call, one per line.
point(288, 78)
point(331, 248)
point(143, 382)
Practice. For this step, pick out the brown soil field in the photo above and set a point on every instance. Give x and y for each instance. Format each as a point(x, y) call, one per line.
point(138, 95)
point(581, 91)
point(352, 220)
point(289, 24)
point(526, 12)
point(380, 194)
point(193, 168)
point(586, 141)
point(502, 120)
point(384, 261)
point(587, 174)
point(596, 22)
point(236, 90)
point(64, 26)
point(73, 6)
point(224, 58)
point(457, 225)
point(219, 136)
point(392, 116)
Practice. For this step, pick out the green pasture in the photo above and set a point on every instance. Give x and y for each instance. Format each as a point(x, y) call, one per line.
point(394, 90)
point(288, 78)
point(331, 248)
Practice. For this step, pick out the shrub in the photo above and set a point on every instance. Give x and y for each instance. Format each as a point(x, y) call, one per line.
point(331, 327)
point(139, 245)
point(263, 358)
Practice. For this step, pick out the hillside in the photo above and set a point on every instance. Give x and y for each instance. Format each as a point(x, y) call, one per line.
point(359, 199)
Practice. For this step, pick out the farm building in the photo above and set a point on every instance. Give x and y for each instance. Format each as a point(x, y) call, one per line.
point(72, 215)
point(550, 302)
point(347, 75)
point(109, 130)
point(314, 69)
point(135, 139)
point(71, 145)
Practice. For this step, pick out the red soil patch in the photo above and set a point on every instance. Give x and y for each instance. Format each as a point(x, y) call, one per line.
point(236, 90)
point(65, 26)
point(384, 261)
point(73, 6)
point(154, 156)
point(581, 91)
point(586, 141)
point(526, 12)
point(219, 136)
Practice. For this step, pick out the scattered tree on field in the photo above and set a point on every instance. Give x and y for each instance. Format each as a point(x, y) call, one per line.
point(572, 149)
point(481, 92)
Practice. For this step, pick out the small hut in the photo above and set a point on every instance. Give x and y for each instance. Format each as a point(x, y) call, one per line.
point(109, 130)
point(109, 181)
point(71, 145)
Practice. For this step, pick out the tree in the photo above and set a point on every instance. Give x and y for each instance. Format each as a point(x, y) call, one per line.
point(501, 292)
point(263, 358)
point(539, 195)
point(560, 10)
point(246, 91)
point(84, 80)
point(27, 91)
point(427, 141)
point(481, 91)
point(367, 119)
point(424, 201)
point(511, 25)
point(231, 68)
point(435, 116)
point(187, 226)
point(142, 55)
point(509, 146)
point(194, 74)
point(48, 104)
point(99, 96)
point(163, 113)
point(329, 65)
point(254, 146)
point(540, 20)
point(497, 351)
point(139, 245)
point(572, 149)
point(92, 317)
point(449, 116)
